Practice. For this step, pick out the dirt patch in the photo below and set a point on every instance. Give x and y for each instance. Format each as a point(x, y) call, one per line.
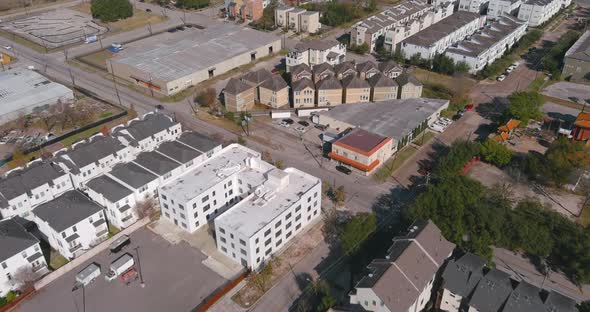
point(139, 19)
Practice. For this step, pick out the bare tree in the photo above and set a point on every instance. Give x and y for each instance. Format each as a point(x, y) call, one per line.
point(261, 279)
point(145, 208)
point(24, 277)
point(50, 117)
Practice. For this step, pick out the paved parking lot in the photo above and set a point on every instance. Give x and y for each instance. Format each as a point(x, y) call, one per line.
point(175, 280)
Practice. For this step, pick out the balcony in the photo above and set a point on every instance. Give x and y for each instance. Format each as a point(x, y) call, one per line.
point(75, 248)
point(101, 233)
point(37, 268)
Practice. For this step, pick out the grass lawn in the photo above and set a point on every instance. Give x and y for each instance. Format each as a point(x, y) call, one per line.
point(113, 230)
point(97, 59)
point(393, 164)
point(139, 19)
point(82, 135)
point(20, 40)
point(424, 138)
point(429, 77)
point(56, 260)
point(584, 218)
point(36, 4)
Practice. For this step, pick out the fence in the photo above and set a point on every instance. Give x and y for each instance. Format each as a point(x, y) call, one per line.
point(219, 293)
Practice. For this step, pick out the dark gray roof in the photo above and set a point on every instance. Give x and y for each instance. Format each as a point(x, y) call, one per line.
point(557, 302)
point(431, 35)
point(198, 141)
point(302, 84)
point(329, 83)
point(461, 276)
point(389, 66)
point(275, 83)
point(581, 49)
point(380, 80)
point(156, 162)
point(344, 66)
point(83, 154)
point(14, 239)
point(257, 77)
point(354, 82)
point(525, 298)
point(492, 291)
point(366, 66)
point(109, 188)
point(66, 210)
point(236, 86)
point(132, 174)
point(34, 175)
point(178, 151)
point(316, 45)
point(406, 78)
point(300, 68)
point(321, 68)
point(147, 126)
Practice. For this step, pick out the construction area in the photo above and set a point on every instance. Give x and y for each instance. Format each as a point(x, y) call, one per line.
point(55, 29)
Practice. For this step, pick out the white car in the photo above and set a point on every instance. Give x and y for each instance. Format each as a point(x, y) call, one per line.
point(8, 47)
point(509, 69)
point(437, 127)
point(301, 129)
point(501, 77)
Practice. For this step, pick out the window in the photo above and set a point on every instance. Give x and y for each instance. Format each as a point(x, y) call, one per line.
point(288, 234)
point(63, 234)
point(167, 215)
point(278, 242)
point(298, 217)
point(222, 230)
point(182, 216)
point(206, 207)
point(195, 214)
point(4, 266)
point(278, 224)
point(233, 246)
point(267, 242)
point(181, 206)
point(74, 228)
point(224, 249)
point(242, 242)
point(231, 236)
point(243, 252)
point(166, 206)
point(298, 208)
point(194, 205)
point(256, 241)
point(197, 224)
point(267, 232)
point(24, 254)
point(298, 226)
point(268, 251)
point(184, 225)
point(288, 216)
point(205, 198)
point(288, 225)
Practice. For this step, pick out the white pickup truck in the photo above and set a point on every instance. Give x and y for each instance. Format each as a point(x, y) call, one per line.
point(119, 266)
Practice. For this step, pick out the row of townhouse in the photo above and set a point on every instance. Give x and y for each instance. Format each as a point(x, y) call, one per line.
point(316, 52)
point(324, 85)
point(489, 43)
point(474, 6)
point(534, 12)
point(398, 23)
point(297, 19)
point(256, 208)
point(435, 40)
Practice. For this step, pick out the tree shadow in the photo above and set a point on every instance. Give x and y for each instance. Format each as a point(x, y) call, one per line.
point(493, 110)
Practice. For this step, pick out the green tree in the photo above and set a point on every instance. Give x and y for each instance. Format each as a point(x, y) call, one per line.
point(443, 64)
point(360, 49)
point(339, 195)
point(111, 10)
point(495, 153)
point(192, 4)
point(584, 306)
point(461, 67)
point(356, 231)
point(525, 106)
point(267, 21)
point(280, 164)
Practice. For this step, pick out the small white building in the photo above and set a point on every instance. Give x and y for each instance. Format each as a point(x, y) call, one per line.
point(118, 200)
point(435, 40)
point(143, 183)
point(316, 52)
point(488, 44)
point(201, 143)
point(404, 280)
point(20, 256)
point(263, 222)
point(23, 189)
point(160, 165)
point(181, 153)
point(498, 8)
point(475, 6)
point(297, 19)
point(71, 223)
point(148, 132)
point(537, 12)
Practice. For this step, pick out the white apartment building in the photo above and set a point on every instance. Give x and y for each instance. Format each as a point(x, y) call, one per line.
point(146, 133)
point(72, 223)
point(435, 40)
point(20, 253)
point(403, 281)
point(22, 189)
point(475, 6)
point(159, 165)
point(497, 8)
point(282, 15)
point(181, 153)
point(263, 223)
point(297, 19)
point(537, 12)
point(488, 44)
point(118, 200)
point(316, 52)
point(143, 183)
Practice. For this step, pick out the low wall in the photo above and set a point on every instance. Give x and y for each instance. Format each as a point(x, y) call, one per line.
point(88, 255)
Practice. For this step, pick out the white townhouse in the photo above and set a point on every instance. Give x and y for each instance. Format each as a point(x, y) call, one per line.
point(404, 280)
point(201, 143)
point(186, 156)
point(143, 183)
point(475, 6)
point(24, 188)
point(20, 256)
point(146, 133)
point(498, 8)
point(118, 200)
point(71, 223)
point(90, 158)
point(488, 44)
point(160, 165)
point(263, 223)
point(316, 52)
point(537, 12)
point(435, 40)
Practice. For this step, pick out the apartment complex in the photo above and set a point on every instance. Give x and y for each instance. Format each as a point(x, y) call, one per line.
point(297, 19)
point(273, 206)
point(303, 93)
point(498, 8)
point(301, 71)
point(474, 6)
point(238, 96)
point(408, 87)
point(316, 52)
point(356, 90)
point(247, 10)
point(20, 253)
point(398, 23)
point(329, 91)
point(537, 12)
point(383, 88)
point(362, 151)
point(435, 40)
point(489, 43)
point(404, 280)
point(577, 59)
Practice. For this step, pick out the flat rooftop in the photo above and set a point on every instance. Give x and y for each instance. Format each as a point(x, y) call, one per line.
point(362, 140)
point(227, 163)
point(109, 188)
point(254, 212)
point(581, 49)
point(132, 174)
point(170, 56)
point(440, 30)
point(393, 118)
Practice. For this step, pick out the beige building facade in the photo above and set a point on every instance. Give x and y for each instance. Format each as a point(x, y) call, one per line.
point(274, 92)
point(329, 92)
point(362, 151)
point(303, 93)
point(409, 87)
point(238, 96)
point(355, 90)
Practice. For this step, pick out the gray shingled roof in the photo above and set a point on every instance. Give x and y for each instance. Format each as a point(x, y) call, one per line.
point(556, 302)
point(14, 239)
point(201, 143)
point(34, 175)
point(354, 82)
point(109, 188)
point(257, 77)
point(389, 65)
point(525, 298)
point(329, 83)
point(66, 210)
point(178, 151)
point(156, 162)
point(366, 66)
point(316, 45)
point(302, 84)
point(236, 86)
point(275, 83)
point(581, 49)
point(440, 30)
point(147, 126)
point(85, 153)
point(132, 174)
point(321, 68)
point(492, 291)
point(431, 239)
point(380, 81)
point(462, 275)
point(406, 78)
point(344, 66)
point(300, 68)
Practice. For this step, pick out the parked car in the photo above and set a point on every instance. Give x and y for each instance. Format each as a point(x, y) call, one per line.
point(119, 266)
point(159, 107)
point(301, 129)
point(130, 276)
point(7, 47)
point(437, 127)
point(303, 123)
point(275, 70)
point(469, 106)
point(148, 10)
point(284, 124)
point(501, 77)
point(343, 169)
point(119, 243)
point(289, 121)
point(321, 127)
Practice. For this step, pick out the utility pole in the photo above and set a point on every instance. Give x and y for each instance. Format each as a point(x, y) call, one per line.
point(150, 85)
point(149, 26)
point(72, 77)
point(100, 41)
point(139, 265)
point(115, 83)
point(66, 53)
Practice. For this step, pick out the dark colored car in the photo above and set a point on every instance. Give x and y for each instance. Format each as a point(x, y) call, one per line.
point(148, 10)
point(159, 107)
point(304, 123)
point(288, 121)
point(321, 127)
point(343, 169)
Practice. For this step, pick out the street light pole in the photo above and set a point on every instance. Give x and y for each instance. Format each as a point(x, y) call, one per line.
point(115, 83)
point(139, 265)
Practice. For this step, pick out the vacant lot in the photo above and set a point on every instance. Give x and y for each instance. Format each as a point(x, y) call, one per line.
point(139, 19)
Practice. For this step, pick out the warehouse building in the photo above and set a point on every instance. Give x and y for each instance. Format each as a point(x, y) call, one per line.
point(576, 63)
point(171, 62)
point(25, 91)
